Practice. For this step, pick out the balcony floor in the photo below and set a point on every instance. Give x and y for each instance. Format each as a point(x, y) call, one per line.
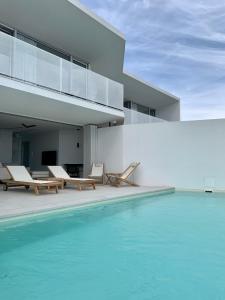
point(17, 201)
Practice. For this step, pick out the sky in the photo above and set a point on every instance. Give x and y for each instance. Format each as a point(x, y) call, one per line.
point(177, 45)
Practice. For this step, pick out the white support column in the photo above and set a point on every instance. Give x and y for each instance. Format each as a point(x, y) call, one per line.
point(90, 147)
point(61, 75)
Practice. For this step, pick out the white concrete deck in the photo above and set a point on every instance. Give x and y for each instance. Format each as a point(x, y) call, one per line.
point(17, 201)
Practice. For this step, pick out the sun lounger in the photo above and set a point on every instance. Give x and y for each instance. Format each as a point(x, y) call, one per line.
point(5, 178)
point(21, 177)
point(97, 172)
point(118, 178)
point(60, 174)
point(4, 174)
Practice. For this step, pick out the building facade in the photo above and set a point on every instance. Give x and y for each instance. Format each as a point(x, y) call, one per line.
point(61, 77)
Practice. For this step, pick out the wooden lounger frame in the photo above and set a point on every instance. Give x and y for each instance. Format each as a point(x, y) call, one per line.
point(7, 183)
point(78, 183)
point(60, 174)
point(35, 186)
point(116, 179)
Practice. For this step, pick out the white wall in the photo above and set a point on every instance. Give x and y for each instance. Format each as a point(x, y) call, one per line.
point(169, 112)
point(187, 155)
point(39, 142)
point(69, 152)
point(6, 146)
point(110, 148)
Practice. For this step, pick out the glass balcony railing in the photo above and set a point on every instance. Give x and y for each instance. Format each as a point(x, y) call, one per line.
point(28, 63)
point(135, 117)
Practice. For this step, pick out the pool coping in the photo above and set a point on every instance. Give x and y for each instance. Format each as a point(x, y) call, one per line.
point(205, 190)
point(101, 202)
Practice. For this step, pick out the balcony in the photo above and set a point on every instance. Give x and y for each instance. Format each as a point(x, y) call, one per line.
point(29, 64)
point(135, 117)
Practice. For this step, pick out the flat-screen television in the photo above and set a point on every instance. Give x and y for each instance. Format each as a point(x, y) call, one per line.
point(49, 158)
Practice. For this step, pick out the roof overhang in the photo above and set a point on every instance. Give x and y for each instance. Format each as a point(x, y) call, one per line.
point(30, 101)
point(70, 27)
point(16, 123)
point(143, 93)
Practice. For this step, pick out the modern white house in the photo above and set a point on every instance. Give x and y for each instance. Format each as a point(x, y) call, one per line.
point(62, 78)
point(65, 99)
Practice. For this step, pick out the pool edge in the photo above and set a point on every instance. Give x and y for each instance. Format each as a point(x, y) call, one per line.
point(105, 201)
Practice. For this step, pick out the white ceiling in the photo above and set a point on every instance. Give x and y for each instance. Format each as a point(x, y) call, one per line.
point(145, 94)
point(14, 122)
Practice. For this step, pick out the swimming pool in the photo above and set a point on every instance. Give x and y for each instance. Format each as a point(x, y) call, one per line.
point(163, 247)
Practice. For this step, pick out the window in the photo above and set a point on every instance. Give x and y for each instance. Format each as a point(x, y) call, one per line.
point(42, 46)
point(152, 112)
point(127, 104)
point(51, 50)
point(26, 39)
point(79, 63)
point(6, 30)
point(143, 109)
point(139, 108)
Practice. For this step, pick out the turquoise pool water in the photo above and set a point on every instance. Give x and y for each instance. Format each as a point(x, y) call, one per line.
point(166, 247)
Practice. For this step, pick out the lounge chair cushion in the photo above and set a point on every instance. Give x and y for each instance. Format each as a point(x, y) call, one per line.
point(19, 173)
point(4, 174)
point(97, 170)
point(59, 172)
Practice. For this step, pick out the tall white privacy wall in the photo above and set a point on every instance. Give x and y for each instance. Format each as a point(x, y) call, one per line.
point(189, 155)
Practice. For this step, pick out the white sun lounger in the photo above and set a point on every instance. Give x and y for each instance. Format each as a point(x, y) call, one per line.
point(21, 177)
point(60, 174)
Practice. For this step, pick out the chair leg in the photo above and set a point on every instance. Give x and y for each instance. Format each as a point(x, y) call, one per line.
point(118, 183)
point(36, 190)
point(108, 180)
point(130, 183)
